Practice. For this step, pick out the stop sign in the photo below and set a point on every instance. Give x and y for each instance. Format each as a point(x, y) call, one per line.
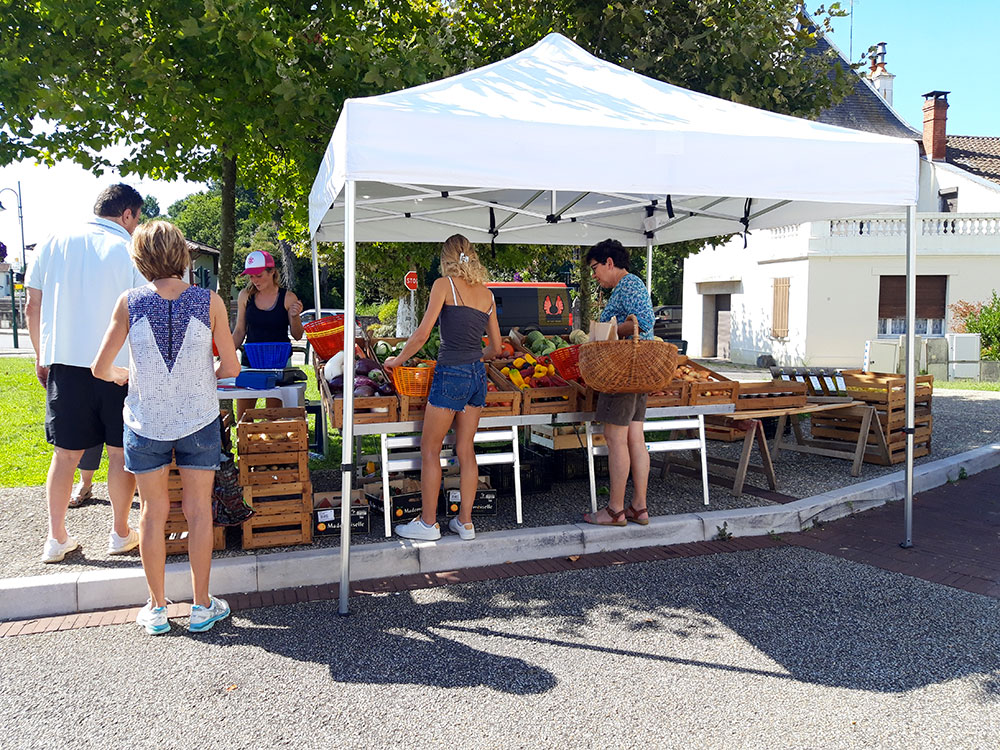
point(410, 280)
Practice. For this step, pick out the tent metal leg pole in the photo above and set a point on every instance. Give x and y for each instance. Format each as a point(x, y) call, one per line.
point(911, 319)
point(649, 265)
point(347, 431)
point(316, 295)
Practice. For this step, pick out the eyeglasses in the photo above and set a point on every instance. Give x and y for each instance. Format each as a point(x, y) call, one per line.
point(593, 267)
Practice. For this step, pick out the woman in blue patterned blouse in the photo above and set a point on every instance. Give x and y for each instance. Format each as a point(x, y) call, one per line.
point(622, 413)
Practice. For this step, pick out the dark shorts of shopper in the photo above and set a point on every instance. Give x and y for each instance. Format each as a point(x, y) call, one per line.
point(621, 408)
point(199, 450)
point(82, 411)
point(456, 386)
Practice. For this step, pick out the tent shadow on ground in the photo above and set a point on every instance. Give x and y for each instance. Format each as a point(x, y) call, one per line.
point(821, 620)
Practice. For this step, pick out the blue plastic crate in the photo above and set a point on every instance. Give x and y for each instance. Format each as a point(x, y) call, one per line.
point(268, 356)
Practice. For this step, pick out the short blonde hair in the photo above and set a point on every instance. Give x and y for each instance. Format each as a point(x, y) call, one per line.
point(160, 251)
point(458, 258)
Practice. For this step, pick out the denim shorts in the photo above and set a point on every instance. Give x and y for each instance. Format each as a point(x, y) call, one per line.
point(199, 450)
point(457, 386)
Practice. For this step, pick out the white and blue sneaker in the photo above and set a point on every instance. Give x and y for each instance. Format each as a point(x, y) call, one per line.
point(203, 618)
point(153, 619)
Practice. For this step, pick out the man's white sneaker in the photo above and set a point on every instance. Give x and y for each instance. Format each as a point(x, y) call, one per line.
point(417, 529)
point(153, 619)
point(118, 545)
point(466, 531)
point(203, 618)
point(55, 551)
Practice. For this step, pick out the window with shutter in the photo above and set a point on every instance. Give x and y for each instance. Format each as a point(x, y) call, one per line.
point(931, 299)
point(779, 314)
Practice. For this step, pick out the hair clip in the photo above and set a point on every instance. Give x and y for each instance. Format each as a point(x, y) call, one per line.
point(463, 258)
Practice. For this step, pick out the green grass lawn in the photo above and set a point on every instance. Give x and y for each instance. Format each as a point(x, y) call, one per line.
point(967, 385)
point(25, 458)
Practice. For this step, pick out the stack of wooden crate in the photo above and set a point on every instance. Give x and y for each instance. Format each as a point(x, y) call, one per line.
point(177, 527)
point(887, 393)
point(274, 471)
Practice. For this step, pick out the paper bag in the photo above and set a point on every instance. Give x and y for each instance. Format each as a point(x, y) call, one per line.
point(604, 331)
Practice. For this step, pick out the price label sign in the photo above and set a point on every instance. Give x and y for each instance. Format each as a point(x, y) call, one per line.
point(410, 280)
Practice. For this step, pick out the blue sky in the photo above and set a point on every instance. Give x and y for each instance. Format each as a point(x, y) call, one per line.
point(934, 46)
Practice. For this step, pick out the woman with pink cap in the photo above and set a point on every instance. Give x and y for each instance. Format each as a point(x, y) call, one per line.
point(266, 312)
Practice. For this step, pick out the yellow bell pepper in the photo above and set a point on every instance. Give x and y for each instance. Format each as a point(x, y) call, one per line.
point(506, 371)
point(541, 371)
point(516, 379)
point(519, 362)
point(530, 360)
point(552, 369)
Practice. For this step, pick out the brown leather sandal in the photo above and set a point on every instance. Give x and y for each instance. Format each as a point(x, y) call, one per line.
point(632, 514)
point(79, 497)
point(617, 518)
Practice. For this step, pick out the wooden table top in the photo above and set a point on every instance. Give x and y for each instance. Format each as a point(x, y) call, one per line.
point(789, 411)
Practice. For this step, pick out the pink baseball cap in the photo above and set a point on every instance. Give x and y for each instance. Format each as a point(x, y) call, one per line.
point(256, 262)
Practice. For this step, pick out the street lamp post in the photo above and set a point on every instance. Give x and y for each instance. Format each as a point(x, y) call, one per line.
point(24, 259)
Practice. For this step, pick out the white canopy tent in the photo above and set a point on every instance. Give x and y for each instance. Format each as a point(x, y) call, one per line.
point(555, 146)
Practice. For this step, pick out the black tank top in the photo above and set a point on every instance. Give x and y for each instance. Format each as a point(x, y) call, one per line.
point(462, 330)
point(267, 326)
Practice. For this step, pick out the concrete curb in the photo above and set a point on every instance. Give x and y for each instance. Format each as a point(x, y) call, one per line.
point(67, 593)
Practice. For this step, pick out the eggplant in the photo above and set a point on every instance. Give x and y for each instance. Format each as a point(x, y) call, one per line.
point(364, 366)
point(364, 390)
point(361, 380)
point(386, 389)
point(337, 383)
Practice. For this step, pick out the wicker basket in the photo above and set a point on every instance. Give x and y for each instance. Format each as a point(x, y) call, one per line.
point(628, 366)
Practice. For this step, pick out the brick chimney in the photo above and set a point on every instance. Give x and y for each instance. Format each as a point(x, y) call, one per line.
point(880, 77)
point(935, 117)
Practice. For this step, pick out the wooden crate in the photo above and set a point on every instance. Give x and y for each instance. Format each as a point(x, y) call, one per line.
point(886, 389)
point(708, 386)
point(887, 393)
point(176, 531)
point(272, 431)
point(282, 515)
point(498, 404)
point(367, 409)
point(553, 400)
point(676, 394)
point(719, 428)
point(774, 394)
point(829, 426)
point(274, 468)
point(562, 437)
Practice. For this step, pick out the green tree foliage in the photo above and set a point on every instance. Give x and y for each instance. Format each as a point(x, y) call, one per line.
point(150, 207)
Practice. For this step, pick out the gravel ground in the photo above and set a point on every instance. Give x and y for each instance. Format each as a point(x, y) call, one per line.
point(779, 648)
point(963, 420)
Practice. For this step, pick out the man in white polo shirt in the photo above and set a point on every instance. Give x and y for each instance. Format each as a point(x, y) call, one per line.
point(73, 285)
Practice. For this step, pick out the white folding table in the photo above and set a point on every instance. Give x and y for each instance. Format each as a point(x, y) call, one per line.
point(406, 435)
point(667, 418)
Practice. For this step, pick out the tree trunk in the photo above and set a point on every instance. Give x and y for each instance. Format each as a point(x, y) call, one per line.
point(288, 261)
point(228, 239)
point(586, 298)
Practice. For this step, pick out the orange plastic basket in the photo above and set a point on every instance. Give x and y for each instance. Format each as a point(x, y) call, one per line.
point(567, 361)
point(326, 335)
point(413, 381)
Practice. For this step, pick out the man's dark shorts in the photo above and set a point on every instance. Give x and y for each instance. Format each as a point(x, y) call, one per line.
point(621, 408)
point(81, 410)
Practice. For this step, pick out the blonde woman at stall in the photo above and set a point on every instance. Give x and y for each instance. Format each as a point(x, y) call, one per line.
point(466, 311)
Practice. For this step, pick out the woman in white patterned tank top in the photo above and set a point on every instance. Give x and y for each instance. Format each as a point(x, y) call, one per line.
point(171, 408)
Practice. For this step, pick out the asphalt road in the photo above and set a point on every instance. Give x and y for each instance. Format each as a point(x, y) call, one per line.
point(783, 648)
